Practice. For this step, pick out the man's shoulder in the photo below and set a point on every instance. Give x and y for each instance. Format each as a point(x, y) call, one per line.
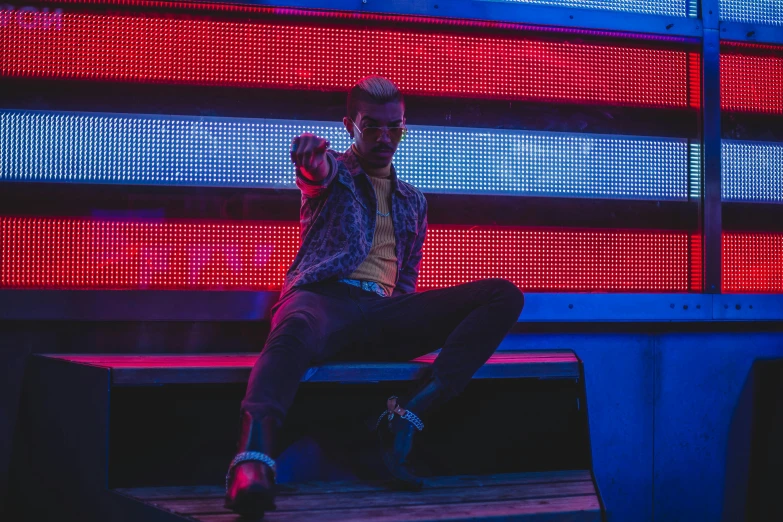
point(346, 161)
point(420, 202)
point(345, 172)
point(410, 189)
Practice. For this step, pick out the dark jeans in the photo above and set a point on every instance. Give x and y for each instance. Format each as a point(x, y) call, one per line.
point(328, 321)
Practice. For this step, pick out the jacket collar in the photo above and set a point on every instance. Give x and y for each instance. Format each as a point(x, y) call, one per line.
point(351, 162)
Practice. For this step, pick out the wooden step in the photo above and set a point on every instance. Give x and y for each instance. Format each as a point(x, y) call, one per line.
point(552, 496)
point(147, 370)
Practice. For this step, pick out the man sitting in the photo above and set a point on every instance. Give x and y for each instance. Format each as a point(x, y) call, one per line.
point(350, 291)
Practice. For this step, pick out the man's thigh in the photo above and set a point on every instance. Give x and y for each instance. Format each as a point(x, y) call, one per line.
point(334, 319)
point(408, 326)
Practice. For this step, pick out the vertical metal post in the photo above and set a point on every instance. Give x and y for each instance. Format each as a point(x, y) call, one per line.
point(711, 149)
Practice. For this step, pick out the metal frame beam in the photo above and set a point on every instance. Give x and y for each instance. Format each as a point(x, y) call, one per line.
point(711, 210)
point(751, 33)
point(154, 305)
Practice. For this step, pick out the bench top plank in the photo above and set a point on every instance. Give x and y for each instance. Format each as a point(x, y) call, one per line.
point(567, 495)
point(563, 509)
point(154, 369)
point(380, 499)
point(325, 488)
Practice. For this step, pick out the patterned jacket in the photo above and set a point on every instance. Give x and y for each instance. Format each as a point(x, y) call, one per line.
point(337, 220)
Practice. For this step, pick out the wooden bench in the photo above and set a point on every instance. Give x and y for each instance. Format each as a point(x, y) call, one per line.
point(75, 397)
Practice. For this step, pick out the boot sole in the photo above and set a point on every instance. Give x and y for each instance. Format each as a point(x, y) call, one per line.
point(252, 504)
point(404, 480)
point(399, 484)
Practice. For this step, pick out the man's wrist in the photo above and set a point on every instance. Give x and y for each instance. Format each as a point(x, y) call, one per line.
point(321, 177)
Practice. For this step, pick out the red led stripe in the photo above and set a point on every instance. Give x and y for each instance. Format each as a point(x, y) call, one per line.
point(67, 253)
point(752, 82)
point(214, 52)
point(93, 254)
point(552, 260)
point(752, 263)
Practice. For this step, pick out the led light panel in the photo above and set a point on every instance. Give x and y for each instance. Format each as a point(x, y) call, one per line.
point(768, 12)
point(558, 260)
point(69, 253)
point(146, 48)
point(751, 83)
point(752, 171)
point(651, 7)
point(752, 263)
point(92, 254)
point(130, 149)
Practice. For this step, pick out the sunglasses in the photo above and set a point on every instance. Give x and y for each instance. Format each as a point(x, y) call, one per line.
point(375, 133)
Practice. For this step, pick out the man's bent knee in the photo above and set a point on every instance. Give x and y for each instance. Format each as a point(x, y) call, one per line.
point(509, 293)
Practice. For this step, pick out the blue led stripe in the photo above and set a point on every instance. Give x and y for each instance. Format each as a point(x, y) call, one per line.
point(180, 150)
point(768, 12)
point(652, 7)
point(752, 171)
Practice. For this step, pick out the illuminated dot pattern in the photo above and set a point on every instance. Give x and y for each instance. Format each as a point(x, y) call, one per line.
point(545, 164)
point(128, 149)
point(752, 171)
point(90, 254)
point(654, 7)
point(174, 50)
point(752, 263)
point(752, 83)
point(558, 260)
point(105, 254)
point(768, 12)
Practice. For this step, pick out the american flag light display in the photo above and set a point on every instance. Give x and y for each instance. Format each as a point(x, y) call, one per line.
point(93, 254)
point(150, 48)
point(169, 150)
point(752, 262)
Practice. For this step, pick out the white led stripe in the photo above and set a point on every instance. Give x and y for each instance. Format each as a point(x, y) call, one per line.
point(546, 164)
point(752, 171)
point(181, 150)
point(695, 170)
point(652, 7)
point(132, 149)
point(768, 12)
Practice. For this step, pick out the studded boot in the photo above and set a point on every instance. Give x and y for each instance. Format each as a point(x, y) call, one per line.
point(397, 426)
point(250, 482)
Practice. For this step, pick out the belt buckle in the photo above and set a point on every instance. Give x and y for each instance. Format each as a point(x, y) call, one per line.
point(371, 286)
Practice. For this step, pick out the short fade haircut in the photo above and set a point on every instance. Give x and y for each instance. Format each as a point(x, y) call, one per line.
point(372, 89)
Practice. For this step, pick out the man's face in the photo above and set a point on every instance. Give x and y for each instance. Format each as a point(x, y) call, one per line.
point(376, 151)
